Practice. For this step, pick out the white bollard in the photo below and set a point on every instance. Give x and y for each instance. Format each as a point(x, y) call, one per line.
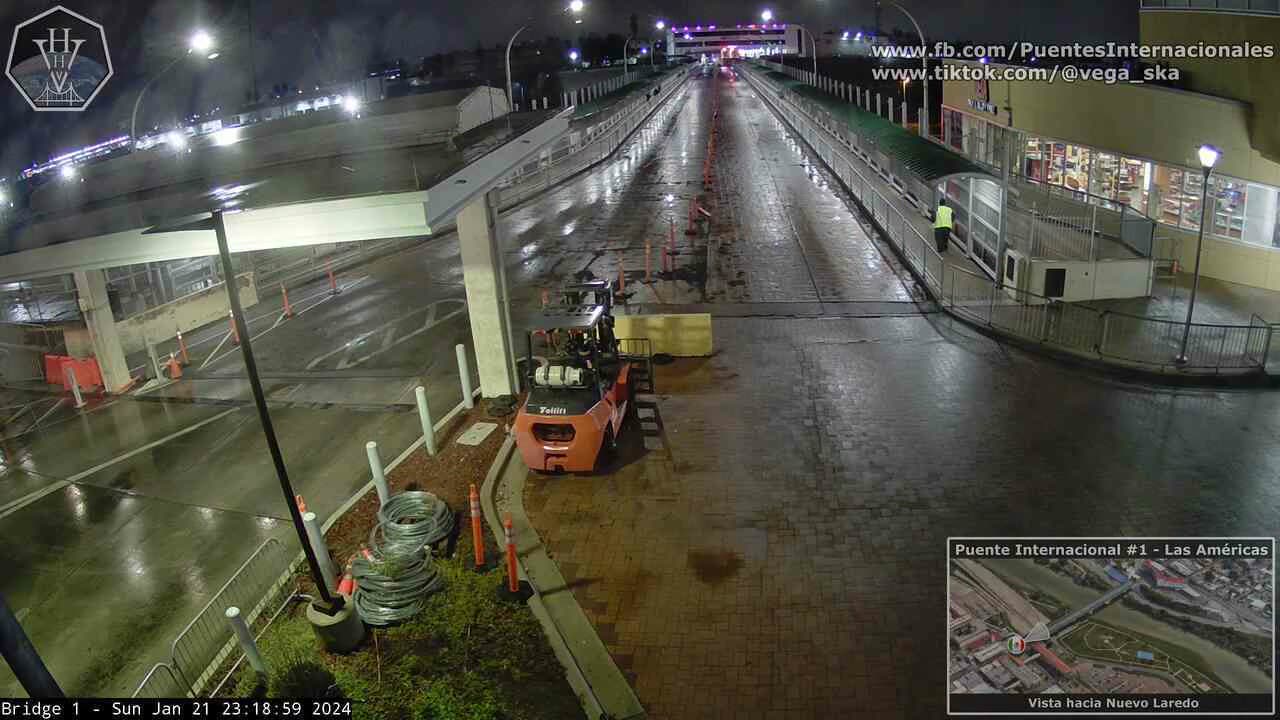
point(247, 643)
point(328, 571)
point(75, 387)
point(424, 414)
point(464, 375)
point(379, 477)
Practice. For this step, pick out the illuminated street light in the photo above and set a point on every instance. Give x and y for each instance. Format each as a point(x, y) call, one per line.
point(844, 35)
point(67, 172)
point(767, 15)
point(177, 140)
point(351, 104)
point(201, 42)
point(573, 56)
point(576, 6)
point(661, 25)
point(1208, 155)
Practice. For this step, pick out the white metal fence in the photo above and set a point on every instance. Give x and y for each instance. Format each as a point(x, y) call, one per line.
point(259, 585)
point(1078, 328)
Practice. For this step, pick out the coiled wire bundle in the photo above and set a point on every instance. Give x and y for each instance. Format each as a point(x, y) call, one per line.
point(395, 577)
point(415, 516)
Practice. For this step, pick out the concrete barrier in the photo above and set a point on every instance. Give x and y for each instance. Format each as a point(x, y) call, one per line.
point(183, 314)
point(679, 335)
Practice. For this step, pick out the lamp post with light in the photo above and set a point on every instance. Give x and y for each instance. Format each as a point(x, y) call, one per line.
point(924, 62)
point(767, 16)
point(201, 43)
point(1209, 156)
point(575, 7)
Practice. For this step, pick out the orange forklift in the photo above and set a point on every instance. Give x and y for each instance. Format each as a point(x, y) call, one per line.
point(580, 382)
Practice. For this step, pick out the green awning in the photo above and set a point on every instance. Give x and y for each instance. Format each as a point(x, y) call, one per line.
point(924, 158)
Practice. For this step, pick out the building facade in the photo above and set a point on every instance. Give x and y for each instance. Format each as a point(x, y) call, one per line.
point(1129, 144)
point(742, 40)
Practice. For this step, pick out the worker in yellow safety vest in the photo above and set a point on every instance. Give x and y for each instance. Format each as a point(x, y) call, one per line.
point(942, 225)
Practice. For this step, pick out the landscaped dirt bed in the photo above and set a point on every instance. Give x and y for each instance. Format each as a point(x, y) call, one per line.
point(467, 655)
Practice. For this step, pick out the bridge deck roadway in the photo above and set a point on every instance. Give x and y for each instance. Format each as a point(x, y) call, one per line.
point(783, 557)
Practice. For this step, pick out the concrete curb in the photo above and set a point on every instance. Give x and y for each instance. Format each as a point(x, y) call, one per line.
point(1124, 371)
point(600, 686)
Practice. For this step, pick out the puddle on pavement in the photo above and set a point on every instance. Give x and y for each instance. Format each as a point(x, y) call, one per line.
point(714, 566)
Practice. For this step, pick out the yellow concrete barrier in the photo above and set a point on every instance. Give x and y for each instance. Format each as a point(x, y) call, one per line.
point(679, 335)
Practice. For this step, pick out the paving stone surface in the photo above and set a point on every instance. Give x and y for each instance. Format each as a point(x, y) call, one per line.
point(777, 550)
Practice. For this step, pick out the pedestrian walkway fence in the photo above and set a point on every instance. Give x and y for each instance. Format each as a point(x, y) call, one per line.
point(1043, 221)
point(1078, 328)
point(261, 584)
point(582, 148)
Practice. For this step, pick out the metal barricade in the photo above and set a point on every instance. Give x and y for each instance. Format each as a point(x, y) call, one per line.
point(161, 682)
point(207, 640)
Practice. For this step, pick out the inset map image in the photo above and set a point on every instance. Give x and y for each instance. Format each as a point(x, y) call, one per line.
point(1088, 626)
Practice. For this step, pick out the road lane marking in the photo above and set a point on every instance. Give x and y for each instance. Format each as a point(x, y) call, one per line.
point(430, 320)
point(31, 497)
point(154, 443)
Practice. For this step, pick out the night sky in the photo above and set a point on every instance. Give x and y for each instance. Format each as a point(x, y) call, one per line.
point(317, 41)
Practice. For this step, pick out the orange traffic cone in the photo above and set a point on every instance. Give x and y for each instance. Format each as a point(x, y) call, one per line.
point(175, 367)
point(347, 586)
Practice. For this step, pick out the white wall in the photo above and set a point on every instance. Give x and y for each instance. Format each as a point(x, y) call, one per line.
point(481, 106)
point(1102, 280)
point(183, 314)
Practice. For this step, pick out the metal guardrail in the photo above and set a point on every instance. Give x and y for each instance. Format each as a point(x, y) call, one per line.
point(640, 349)
point(1076, 327)
point(206, 642)
point(582, 149)
point(1270, 7)
point(159, 684)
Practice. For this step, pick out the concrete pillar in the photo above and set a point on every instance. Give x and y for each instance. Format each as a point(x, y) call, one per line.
point(92, 287)
point(487, 303)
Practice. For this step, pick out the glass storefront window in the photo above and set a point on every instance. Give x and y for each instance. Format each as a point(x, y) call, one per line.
point(1055, 160)
point(1228, 207)
point(1104, 181)
point(1262, 216)
point(1134, 183)
point(1075, 171)
point(1033, 159)
point(1194, 183)
point(1166, 185)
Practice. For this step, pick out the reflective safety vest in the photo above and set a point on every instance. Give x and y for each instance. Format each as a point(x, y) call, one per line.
point(943, 217)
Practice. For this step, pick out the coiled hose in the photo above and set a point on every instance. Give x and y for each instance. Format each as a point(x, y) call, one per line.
point(394, 579)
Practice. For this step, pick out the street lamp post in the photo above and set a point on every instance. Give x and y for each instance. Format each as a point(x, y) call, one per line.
point(767, 16)
point(201, 43)
point(626, 71)
point(1208, 158)
point(574, 7)
point(511, 99)
point(330, 602)
point(924, 62)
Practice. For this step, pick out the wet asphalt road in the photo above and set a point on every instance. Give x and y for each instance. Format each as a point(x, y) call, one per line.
point(104, 570)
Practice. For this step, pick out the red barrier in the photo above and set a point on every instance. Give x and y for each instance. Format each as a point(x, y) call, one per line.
point(88, 374)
